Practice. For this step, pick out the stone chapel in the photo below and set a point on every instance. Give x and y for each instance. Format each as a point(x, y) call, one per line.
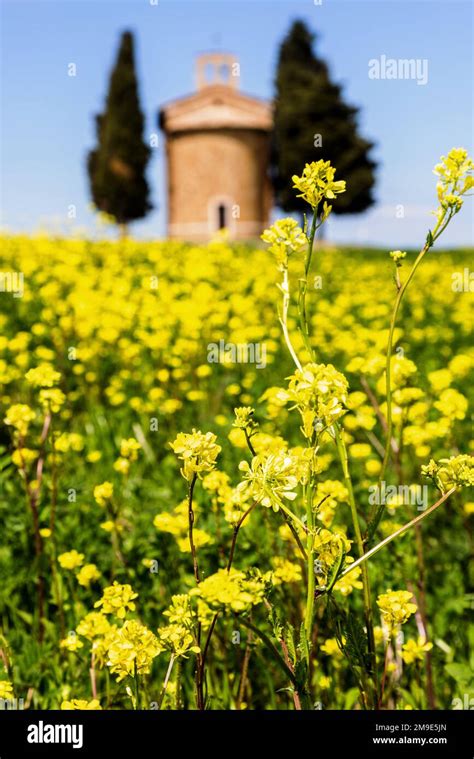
point(217, 156)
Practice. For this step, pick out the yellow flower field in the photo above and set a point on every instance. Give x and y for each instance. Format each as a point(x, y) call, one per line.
point(181, 501)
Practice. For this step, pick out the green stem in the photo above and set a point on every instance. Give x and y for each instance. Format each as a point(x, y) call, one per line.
point(236, 532)
point(302, 310)
point(274, 651)
point(308, 620)
point(290, 514)
point(249, 442)
point(388, 387)
point(294, 532)
point(285, 288)
point(166, 680)
point(191, 528)
point(237, 527)
point(52, 526)
point(385, 670)
point(107, 687)
point(361, 560)
point(304, 329)
point(137, 687)
point(342, 451)
point(439, 228)
point(178, 684)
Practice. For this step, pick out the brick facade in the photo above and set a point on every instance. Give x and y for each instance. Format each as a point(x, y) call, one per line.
point(217, 151)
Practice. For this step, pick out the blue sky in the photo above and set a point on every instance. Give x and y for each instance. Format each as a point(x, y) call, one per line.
point(47, 123)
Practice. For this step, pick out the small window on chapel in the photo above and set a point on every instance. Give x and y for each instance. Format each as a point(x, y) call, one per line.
point(221, 217)
point(216, 68)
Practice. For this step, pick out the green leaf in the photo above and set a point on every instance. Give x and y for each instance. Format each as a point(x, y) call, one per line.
point(25, 616)
point(301, 673)
point(303, 646)
point(335, 569)
point(408, 698)
point(276, 624)
point(373, 524)
point(350, 698)
point(289, 637)
point(462, 673)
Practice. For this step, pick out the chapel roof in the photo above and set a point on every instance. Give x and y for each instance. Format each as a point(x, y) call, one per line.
point(217, 104)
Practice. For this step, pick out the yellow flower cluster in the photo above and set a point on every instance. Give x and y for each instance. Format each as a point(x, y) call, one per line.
point(396, 607)
point(244, 419)
point(177, 524)
point(71, 642)
point(103, 493)
point(306, 462)
point(132, 650)
point(328, 546)
point(413, 650)
point(101, 645)
point(129, 448)
point(351, 581)
point(19, 416)
point(457, 471)
point(331, 648)
point(178, 639)
point(285, 571)
point(87, 574)
point(317, 183)
point(43, 376)
point(6, 689)
point(233, 500)
point(51, 399)
point(22, 457)
point(331, 549)
point(178, 636)
point(93, 625)
point(319, 392)
point(68, 441)
point(397, 256)
point(117, 599)
point(328, 494)
point(269, 479)
point(233, 590)
point(197, 450)
point(180, 611)
point(81, 704)
point(455, 179)
point(71, 559)
point(128, 453)
point(285, 237)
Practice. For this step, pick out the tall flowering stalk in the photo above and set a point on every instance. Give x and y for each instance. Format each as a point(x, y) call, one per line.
point(319, 394)
point(198, 452)
point(455, 180)
point(315, 185)
point(43, 379)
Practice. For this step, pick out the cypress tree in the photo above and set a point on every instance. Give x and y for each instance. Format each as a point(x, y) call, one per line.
point(308, 105)
point(116, 167)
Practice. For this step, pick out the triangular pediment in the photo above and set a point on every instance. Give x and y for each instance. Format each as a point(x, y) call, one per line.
point(216, 107)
